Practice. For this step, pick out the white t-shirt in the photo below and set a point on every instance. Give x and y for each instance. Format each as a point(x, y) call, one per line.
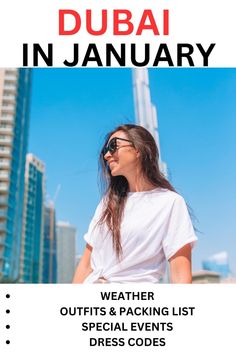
point(155, 225)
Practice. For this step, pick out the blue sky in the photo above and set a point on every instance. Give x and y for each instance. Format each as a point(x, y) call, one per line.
point(73, 109)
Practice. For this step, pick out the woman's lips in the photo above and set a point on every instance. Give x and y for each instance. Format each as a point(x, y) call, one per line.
point(112, 163)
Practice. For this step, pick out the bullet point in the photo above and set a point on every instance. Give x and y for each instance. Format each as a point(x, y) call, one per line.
point(8, 311)
point(7, 326)
point(7, 296)
point(7, 342)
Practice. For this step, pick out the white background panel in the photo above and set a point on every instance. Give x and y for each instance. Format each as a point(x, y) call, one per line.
point(190, 22)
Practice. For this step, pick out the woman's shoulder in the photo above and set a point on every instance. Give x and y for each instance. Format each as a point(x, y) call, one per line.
point(171, 197)
point(100, 205)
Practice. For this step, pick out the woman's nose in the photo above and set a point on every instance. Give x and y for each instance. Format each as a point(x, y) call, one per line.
point(107, 155)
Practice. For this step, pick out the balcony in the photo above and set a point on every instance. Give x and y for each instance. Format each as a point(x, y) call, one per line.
point(5, 164)
point(3, 227)
point(9, 97)
point(10, 87)
point(7, 118)
point(4, 175)
point(11, 77)
point(5, 140)
point(9, 100)
point(6, 129)
point(3, 187)
point(1, 246)
point(3, 200)
point(11, 72)
point(3, 214)
point(8, 109)
point(5, 152)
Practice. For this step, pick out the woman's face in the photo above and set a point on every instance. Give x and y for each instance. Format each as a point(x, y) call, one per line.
point(124, 161)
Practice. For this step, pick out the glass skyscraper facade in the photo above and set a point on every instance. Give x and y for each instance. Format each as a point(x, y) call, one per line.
point(33, 225)
point(15, 92)
point(49, 246)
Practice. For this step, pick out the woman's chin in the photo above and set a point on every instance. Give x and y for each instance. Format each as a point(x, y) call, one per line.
point(115, 172)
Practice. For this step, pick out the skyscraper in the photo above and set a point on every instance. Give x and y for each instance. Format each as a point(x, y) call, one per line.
point(49, 245)
point(66, 252)
point(145, 110)
point(15, 90)
point(33, 226)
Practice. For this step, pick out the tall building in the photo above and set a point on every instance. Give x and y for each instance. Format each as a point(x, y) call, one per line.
point(218, 263)
point(49, 245)
point(33, 225)
point(145, 110)
point(15, 92)
point(66, 252)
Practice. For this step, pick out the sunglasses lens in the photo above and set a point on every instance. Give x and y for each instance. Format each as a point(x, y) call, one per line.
point(112, 146)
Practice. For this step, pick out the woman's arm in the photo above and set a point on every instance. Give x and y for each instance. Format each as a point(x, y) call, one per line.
point(180, 266)
point(84, 267)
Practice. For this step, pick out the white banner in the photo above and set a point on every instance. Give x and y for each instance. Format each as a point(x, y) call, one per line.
point(91, 33)
point(114, 319)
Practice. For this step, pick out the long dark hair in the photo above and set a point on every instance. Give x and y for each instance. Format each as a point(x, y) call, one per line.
point(116, 188)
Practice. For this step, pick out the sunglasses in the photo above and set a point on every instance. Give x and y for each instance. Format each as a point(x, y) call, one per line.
point(112, 146)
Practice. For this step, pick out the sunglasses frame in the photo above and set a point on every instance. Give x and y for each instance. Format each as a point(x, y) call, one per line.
point(110, 149)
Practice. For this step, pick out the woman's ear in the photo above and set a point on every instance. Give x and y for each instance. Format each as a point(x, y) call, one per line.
point(138, 153)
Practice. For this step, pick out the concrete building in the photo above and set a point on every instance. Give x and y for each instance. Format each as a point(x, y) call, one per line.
point(15, 92)
point(205, 277)
point(33, 225)
point(145, 110)
point(66, 252)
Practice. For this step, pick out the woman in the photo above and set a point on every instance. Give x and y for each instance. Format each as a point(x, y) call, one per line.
point(141, 221)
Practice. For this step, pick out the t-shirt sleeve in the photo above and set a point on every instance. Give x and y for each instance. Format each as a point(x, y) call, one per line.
point(89, 236)
point(179, 231)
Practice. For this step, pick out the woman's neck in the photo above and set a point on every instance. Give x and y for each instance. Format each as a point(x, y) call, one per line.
point(139, 184)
